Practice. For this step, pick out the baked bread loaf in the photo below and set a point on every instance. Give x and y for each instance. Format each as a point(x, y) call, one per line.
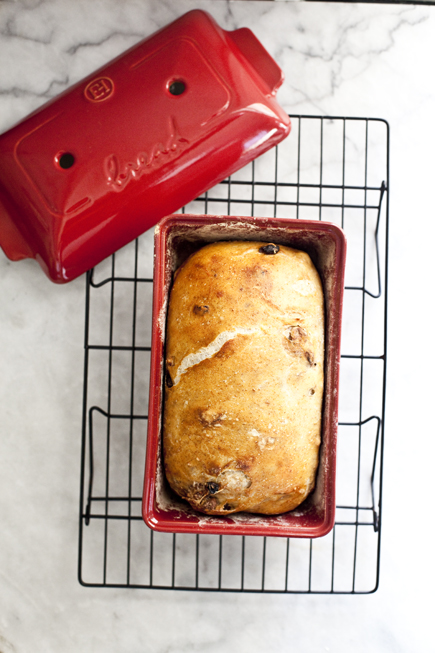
point(244, 378)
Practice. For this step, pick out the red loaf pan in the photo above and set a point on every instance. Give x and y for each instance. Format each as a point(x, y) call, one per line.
point(136, 140)
point(177, 236)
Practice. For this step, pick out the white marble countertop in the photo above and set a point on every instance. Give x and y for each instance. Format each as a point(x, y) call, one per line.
point(339, 59)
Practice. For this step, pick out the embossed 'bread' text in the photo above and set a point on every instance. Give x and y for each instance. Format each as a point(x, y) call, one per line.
point(119, 174)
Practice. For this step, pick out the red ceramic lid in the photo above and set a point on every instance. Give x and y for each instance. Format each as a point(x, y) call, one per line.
point(134, 141)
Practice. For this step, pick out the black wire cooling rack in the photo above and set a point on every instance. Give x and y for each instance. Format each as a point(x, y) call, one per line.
point(330, 168)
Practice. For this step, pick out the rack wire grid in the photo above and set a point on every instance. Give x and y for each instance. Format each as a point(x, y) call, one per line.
point(329, 168)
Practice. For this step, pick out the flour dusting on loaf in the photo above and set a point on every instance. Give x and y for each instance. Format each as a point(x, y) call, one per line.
point(244, 378)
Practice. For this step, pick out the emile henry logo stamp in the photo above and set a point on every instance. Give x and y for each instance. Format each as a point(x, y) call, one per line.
point(119, 173)
point(99, 89)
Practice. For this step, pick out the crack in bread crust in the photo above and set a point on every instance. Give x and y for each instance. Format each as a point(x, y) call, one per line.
point(209, 351)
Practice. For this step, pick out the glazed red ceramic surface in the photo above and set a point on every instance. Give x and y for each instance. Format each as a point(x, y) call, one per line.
point(176, 238)
point(135, 141)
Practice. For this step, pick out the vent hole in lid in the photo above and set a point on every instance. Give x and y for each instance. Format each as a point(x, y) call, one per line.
point(177, 87)
point(66, 160)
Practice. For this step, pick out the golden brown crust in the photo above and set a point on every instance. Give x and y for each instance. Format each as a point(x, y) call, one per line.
point(244, 385)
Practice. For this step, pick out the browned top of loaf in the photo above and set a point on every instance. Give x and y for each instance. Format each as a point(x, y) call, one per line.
point(245, 378)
